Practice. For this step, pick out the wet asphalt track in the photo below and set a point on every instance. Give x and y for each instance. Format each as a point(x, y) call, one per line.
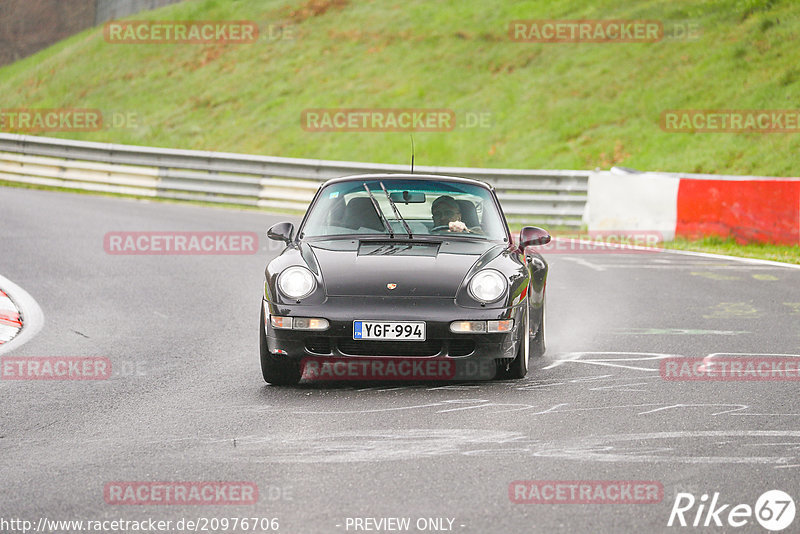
point(186, 401)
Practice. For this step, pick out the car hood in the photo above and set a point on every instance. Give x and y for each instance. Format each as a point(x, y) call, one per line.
point(419, 269)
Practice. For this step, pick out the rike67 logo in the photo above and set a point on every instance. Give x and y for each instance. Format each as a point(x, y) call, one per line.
point(774, 510)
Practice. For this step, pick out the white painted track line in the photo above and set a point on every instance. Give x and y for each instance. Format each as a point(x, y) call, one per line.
point(611, 246)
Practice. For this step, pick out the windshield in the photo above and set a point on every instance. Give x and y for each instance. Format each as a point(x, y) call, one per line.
point(425, 207)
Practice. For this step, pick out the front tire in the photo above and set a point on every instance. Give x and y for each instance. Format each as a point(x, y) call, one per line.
point(519, 366)
point(275, 372)
point(537, 338)
point(532, 346)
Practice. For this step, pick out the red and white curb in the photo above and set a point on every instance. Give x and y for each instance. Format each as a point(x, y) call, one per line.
point(21, 318)
point(10, 321)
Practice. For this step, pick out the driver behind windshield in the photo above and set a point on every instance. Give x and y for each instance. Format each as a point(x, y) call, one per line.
point(447, 214)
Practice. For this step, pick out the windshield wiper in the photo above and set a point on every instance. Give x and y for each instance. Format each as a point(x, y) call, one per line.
point(380, 212)
point(396, 211)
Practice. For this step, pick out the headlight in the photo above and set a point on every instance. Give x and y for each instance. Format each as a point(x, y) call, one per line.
point(487, 285)
point(296, 282)
point(481, 327)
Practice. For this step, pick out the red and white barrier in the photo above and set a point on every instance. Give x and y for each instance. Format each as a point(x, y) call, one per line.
point(10, 321)
point(747, 208)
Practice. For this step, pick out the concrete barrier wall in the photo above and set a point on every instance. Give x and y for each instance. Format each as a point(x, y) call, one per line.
point(116, 9)
point(632, 202)
point(27, 26)
point(766, 211)
point(747, 208)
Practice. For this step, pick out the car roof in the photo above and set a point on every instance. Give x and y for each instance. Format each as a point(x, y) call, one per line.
point(393, 176)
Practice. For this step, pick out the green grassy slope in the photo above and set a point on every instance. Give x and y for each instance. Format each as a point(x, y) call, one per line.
point(571, 106)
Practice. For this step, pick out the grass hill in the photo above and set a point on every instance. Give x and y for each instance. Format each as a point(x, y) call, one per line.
point(549, 105)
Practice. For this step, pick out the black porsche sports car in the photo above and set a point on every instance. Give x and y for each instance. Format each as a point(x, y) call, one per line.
point(408, 273)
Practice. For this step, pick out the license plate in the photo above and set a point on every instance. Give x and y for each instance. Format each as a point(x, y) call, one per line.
point(389, 330)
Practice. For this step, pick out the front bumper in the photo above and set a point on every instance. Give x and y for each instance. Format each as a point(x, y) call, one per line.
point(337, 340)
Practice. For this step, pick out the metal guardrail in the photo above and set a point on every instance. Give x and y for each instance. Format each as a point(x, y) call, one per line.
point(551, 197)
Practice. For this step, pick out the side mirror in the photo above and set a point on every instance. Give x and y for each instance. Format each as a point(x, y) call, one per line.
point(531, 236)
point(281, 232)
